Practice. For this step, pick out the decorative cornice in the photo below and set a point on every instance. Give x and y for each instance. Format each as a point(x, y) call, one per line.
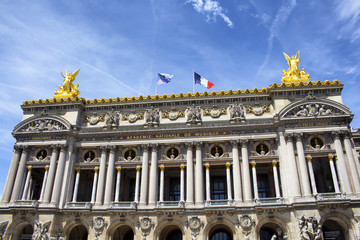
point(184, 96)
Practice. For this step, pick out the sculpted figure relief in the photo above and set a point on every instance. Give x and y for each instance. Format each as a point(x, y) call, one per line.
point(194, 114)
point(294, 74)
point(236, 112)
point(41, 231)
point(68, 89)
point(43, 125)
point(310, 229)
point(112, 119)
point(152, 116)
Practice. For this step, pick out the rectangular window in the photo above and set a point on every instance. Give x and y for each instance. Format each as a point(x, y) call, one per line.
point(218, 188)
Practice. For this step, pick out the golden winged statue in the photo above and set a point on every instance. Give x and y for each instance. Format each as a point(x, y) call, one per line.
point(294, 74)
point(68, 89)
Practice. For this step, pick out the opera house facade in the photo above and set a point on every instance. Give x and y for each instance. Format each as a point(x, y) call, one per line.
point(270, 163)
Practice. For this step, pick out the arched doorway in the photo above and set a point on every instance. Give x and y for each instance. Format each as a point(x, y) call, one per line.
point(171, 233)
point(332, 230)
point(25, 233)
point(123, 233)
point(220, 232)
point(268, 230)
point(78, 233)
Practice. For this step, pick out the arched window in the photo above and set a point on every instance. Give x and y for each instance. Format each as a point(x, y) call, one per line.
point(78, 233)
point(123, 233)
point(26, 233)
point(221, 235)
point(332, 230)
point(174, 235)
point(268, 230)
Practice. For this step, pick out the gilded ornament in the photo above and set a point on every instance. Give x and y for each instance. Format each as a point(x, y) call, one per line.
point(172, 114)
point(294, 74)
point(68, 89)
point(215, 112)
point(94, 118)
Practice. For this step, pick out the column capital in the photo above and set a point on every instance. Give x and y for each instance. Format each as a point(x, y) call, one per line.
point(289, 137)
point(277, 140)
point(253, 164)
point(17, 147)
point(182, 166)
point(145, 147)
point(243, 142)
point(138, 168)
point(154, 147)
point(112, 148)
point(29, 168)
point(96, 169)
point(25, 148)
point(162, 167)
point(103, 148)
point(207, 166)
point(228, 165)
point(77, 171)
point(46, 168)
point(298, 136)
point(198, 145)
point(309, 158)
point(189, 144)
point(234, 143)
point(118, 169)
point(274, 163)
point(331, 157)
point(345, 133)
point(335, 134)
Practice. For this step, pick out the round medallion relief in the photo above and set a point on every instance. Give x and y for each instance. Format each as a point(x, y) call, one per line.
point(316, 142)
point(130, 155)
point(89, 156)
point(41, 154)
point(217, 151)
point(172, 153)
point(262, 149)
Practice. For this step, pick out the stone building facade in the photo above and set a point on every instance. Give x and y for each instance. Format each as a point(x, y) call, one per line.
point(271, 163)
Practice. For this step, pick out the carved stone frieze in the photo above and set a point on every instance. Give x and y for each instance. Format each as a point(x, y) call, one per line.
point(145, 225)
point(258, 109)
point(112, 119)
point(99, 225)
point(215, 112)
point(43, 125)
point(193, 115)
point(41, 231)
point(132, 117)
point(3, 227)
point(310, 229)
point(152, 117)
point(237, 113)
point(313, 110)
point(195, 225)
point(173, 114)
point(94, 118)
point(247, 224)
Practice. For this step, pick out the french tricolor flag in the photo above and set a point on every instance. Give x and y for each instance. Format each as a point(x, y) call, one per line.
point(203, 81)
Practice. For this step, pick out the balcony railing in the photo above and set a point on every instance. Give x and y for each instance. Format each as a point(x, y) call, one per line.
point(269, 201)
point(25, 203)
point(176, 204)
point(78, 205)
point(123, 204)
point(210, 203)
point(330, 196)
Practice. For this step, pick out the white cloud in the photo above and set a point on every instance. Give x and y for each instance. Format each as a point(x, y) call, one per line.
point(211, 9)
point(280, 19)
point(348, 11)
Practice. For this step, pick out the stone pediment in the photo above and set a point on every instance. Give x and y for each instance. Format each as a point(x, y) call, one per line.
point(314, 108)
point(42, 124)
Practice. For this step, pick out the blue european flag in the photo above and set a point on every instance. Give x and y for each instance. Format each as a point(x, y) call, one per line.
point(163, 78)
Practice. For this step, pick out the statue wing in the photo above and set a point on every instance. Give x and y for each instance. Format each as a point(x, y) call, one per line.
point(287, 58)
point(75, 73)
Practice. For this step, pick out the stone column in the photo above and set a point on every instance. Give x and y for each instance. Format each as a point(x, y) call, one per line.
point(341, 164)
point(255, 185)
point(333, 174)
point(20, 174)
point(182, 183)
point(153, 184)
point(144, 175)
point(161, 195)
point(207, 176)
point(102, 173)
point(117, 190)
point(276, 179)
point(246, 170)
point(236, 172)
point(11, 175)
point(76, 187)
point(228, 181)
point(312, 176)
point(51, 175)
point(94, 187)
point(27, 182)
point(137, 184)
point(293, 177)
point(199, 183)
point(110, 177)
point(44, 183)
point(58, 176)
point(302, 165)
point(351, 162)
point(189, 174)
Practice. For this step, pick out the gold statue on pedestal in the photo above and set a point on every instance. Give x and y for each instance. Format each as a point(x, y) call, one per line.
point(294, 74)
point(68, 89)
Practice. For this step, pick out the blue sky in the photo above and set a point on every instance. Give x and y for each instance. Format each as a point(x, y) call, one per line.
point(120, 46)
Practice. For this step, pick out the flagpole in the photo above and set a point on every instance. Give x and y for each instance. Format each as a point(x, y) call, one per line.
point(156, 86)
point(193, 81)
